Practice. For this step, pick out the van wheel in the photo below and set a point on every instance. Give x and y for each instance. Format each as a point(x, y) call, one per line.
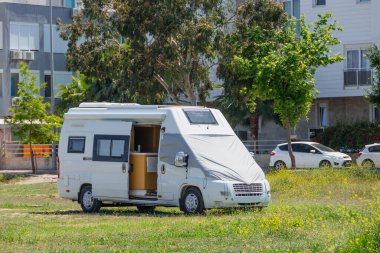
point(368, 164)
point(324, 164)
point(192, 201)
point(88, 203)
point(146, 209)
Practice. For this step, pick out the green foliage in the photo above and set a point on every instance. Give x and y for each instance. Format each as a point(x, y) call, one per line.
point(145, 52)
point(374, 58)
point(30, 121)
point(72, 94)
point(321, 210)
point(285, 71)
point(267, 15)
point(353, 136)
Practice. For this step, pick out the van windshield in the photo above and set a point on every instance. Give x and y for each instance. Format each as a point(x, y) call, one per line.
point(199, 116)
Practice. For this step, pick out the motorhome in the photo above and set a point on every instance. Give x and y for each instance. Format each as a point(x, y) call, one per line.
point(189, 157)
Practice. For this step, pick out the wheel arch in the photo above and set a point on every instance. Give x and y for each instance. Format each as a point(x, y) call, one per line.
point(184, 188)
point(80, 189)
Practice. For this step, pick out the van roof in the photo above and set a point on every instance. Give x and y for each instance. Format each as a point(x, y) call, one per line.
point(128, 105)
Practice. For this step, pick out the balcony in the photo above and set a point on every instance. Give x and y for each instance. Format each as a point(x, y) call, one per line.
point(358, 77)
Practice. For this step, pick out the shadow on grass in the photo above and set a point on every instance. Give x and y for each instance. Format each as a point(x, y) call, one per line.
point(156, 213)
point(109, 212)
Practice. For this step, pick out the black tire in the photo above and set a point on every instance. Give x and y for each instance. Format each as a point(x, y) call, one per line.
point(87, 202)
point(279, 165)
point(324, 164)
point(146, 209)
point(192, 201)
point(368, 164)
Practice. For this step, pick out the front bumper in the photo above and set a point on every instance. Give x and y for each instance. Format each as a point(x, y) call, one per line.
point(238, 194)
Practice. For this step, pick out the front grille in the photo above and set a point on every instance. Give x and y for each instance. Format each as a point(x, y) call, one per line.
point(255, 189)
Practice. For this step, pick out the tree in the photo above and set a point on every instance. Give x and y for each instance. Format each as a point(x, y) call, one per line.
point(267, 15)
point(145, 51)
point(286, 73)
point(30, 121)
point(72, 95)
point(374, 58)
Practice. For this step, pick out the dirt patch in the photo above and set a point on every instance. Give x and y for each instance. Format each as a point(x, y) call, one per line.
point(39, 179)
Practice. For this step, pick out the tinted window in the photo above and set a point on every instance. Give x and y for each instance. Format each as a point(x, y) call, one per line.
point(303, 148)
point(375, 149)
point(199, 116)
point(113, 148)
point(76, 145)
point(323, 147)
point(283, 147)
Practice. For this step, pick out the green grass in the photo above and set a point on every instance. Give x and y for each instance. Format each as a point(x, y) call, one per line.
point(311, 211)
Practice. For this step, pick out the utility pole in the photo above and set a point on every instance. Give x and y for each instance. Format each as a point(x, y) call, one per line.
point(52, 103)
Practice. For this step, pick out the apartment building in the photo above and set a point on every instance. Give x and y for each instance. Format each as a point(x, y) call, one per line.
point(342, 86)
point(25, 36)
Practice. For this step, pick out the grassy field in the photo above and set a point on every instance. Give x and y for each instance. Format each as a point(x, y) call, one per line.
point(320, 210)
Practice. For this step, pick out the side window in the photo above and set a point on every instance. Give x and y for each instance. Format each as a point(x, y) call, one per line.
point(306, 148)
point(296, 147)
point(283, 147)
point(374, 149)
point(111, 148)
point(76, 144)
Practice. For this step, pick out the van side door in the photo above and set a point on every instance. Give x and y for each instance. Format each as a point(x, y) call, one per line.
point(110, 160)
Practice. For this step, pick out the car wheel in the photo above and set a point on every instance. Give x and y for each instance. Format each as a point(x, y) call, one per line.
point(324, 164)
point(88, 203)
point(368, 164)
point(279, 165)
point(146, 209)
point(192, 201)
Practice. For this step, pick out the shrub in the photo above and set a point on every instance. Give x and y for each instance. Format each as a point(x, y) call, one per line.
point(350, 137)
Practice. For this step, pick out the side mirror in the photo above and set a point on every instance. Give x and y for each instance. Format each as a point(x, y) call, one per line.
point(313, 151)
point(181, 159)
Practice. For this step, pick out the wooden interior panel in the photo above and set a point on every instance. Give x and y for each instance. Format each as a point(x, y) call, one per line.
point(147, 137)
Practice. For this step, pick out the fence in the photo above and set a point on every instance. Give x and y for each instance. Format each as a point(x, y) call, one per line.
point(16, 156)
point(262, 146)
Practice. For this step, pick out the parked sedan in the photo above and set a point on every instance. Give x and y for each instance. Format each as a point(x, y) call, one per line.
point(308, 155)
point(369, 157)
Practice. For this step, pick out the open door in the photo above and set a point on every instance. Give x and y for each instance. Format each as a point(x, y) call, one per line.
point(110, 160)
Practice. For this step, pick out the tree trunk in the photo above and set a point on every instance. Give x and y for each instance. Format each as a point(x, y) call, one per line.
point(254, 125)
point(31, 152)
point(290, 150)
point(32, 158)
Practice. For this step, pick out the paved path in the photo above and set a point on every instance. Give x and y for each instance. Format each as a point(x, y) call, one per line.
point(42, 176)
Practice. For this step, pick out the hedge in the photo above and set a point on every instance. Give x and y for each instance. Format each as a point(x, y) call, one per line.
point(350, 137)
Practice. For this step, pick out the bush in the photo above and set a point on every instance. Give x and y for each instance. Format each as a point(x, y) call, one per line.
point(350, 137)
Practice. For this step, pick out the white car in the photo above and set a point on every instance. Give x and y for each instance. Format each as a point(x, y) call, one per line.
point(308, 155)
point(369, 157)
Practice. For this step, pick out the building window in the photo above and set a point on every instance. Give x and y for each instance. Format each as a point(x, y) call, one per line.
point(59, 45)
point(322, 116)
point(319, 2)
point(70, 3)
point(60, 78)
point(47, 89)
point(292, 8)
point(363, 1)
point(24, 36)
point(14, 84)
point(375, 115)
point(358, 70)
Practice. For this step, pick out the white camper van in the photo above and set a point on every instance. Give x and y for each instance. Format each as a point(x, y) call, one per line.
point(149, 155)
